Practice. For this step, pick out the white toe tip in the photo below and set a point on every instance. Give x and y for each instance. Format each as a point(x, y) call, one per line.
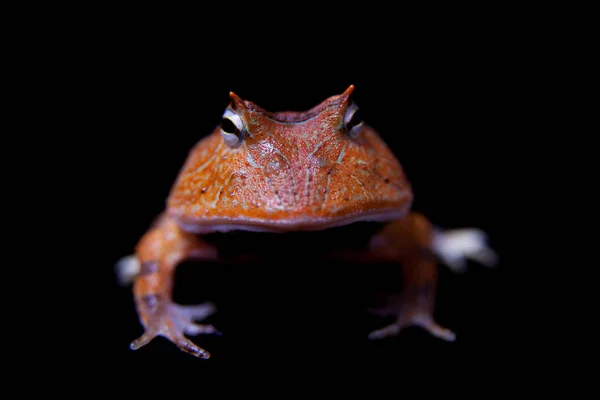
point(126, 269)
point(455, 246)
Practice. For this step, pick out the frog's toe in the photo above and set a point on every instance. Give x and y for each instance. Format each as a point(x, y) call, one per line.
point(173, 322)
point(390, 330)
point(439, 331)
point(174, 336)
point(412, 307)
point(126, 269)
point(198, 329)
point(186, 315)
point(196, 312)
point(455, 246)
point(143, 340)
point(423, 321)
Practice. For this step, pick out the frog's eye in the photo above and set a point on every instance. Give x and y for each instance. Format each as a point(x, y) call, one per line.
point(232, 128)
point(353, 120)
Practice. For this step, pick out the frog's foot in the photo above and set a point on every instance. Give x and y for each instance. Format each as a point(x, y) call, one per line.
point(424, 322)
point(419, 319)
point(173, 321)
point(455, 246)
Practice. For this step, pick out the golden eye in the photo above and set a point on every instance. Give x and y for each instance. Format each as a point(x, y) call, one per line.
point(353, 121)
point(232, 128)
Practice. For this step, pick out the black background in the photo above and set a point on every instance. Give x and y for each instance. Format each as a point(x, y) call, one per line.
point(451, 105)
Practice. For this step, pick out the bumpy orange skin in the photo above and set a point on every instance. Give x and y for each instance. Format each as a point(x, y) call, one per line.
point(292, 171)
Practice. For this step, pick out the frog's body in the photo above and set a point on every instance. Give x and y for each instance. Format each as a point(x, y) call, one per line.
point(287, 175)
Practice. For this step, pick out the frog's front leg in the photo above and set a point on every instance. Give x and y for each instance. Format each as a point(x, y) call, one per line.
point(157, 254)
point(408, 242)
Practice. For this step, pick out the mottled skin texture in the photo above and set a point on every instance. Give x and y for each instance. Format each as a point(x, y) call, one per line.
point(290, 175)
point(291, 172)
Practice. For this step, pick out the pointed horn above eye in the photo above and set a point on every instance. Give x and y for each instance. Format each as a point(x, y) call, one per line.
point(236, 101)
point(346, 95)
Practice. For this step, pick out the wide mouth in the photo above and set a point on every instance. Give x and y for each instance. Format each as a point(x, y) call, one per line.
point(221, 224)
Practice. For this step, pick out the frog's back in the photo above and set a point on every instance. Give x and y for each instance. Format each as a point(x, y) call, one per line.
point(263, 171)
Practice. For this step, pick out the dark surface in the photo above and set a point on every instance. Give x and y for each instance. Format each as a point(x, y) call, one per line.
point(448, 111)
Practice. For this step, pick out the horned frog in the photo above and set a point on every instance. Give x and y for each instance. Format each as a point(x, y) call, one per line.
point(284, 174)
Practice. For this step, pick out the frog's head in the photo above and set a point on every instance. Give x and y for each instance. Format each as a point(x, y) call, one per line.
point(284, 171)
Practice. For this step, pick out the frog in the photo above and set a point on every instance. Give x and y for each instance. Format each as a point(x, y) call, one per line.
point(285, 174)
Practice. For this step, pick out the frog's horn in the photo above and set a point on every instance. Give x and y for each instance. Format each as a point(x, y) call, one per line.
point(346, 95)
point(236, 101)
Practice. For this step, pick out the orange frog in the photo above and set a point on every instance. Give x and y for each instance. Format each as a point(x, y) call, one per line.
point(286, 175)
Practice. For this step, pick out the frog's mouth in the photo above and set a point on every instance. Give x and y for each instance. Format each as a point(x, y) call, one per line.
point(287, 225)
